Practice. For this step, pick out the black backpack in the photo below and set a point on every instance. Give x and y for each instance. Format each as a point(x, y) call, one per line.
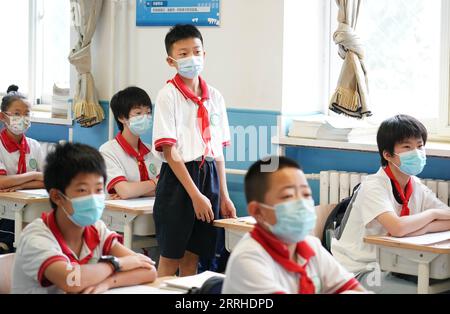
point(335, 223)
point(6, 236)
point(212, 285)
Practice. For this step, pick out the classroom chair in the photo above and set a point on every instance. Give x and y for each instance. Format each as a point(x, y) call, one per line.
point(322, 211)
point(6, 266)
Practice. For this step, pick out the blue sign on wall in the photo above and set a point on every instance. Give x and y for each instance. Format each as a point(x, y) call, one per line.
point(171, 12)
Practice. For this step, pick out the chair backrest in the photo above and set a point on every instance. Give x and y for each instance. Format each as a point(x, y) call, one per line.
point(6, 266)
point(322, 211)
point(212, 285)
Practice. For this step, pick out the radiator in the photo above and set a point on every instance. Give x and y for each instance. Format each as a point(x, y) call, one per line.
point(337, 185)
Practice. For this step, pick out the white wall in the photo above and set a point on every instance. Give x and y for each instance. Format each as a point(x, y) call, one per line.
point(244, 55)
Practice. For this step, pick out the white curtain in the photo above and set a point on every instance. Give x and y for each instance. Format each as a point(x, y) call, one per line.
point(352, 93)
point(86, 107)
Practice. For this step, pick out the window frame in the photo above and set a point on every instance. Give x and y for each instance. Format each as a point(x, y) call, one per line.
point(439, 128)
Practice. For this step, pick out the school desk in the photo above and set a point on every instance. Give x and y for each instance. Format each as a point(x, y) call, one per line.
point(23, 207)
point(132, 217)
point(424, 261)
point(235, 229)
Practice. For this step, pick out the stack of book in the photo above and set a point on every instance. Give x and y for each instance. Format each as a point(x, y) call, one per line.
point(60, 100)
point(335, 128)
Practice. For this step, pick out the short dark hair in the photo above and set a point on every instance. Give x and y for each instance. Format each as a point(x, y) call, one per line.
point(126, 100)
point(67, 161)
point(256, 182)
point(396, 129)
point(180, 32)
point(12, 94)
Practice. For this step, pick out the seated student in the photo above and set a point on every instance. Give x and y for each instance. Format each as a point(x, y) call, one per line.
point(132, 168)
point(392, 201)
point(70, 249)
point(20, 156)
point(279, 256)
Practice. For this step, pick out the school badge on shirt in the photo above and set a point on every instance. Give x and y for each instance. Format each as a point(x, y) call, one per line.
point(153, 169)
point(33, 164)
point(214, 119)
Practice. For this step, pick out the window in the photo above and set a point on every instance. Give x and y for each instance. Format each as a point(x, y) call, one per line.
point(35, 45)
point(406, 58)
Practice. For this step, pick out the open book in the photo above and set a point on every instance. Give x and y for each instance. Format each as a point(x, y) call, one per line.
point(195, 281)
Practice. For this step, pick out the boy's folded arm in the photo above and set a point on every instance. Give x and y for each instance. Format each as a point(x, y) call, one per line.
point(127, 190)
point(18, 179)
point(76, 279)
point(434, 226)
point(402, 226)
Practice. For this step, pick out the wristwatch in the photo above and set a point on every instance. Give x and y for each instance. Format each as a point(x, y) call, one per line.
point(112, 260)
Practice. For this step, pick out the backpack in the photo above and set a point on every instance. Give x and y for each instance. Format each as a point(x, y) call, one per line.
point(336, 221)
point(212, 285)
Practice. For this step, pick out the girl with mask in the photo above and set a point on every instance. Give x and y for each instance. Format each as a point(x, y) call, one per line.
point(20, 156)
point(280, 255)
point(133, 169)
point(392, 201)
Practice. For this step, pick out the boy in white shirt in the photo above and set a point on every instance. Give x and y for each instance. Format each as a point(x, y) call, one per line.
point(392, 201)
point(70, 249)
point(279, 256)
point(190, 131)
point(132, 167)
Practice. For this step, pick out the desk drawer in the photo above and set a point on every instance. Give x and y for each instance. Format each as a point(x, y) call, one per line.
point(232, 237)
point(142, 226)
point(406, 262)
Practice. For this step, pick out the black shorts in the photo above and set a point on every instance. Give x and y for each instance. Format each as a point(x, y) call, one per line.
point(177, 227)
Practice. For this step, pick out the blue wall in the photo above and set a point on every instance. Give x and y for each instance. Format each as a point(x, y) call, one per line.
point(313, 160)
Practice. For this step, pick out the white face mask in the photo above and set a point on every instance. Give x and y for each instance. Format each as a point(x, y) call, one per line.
point(18, 125)
point(190, 67)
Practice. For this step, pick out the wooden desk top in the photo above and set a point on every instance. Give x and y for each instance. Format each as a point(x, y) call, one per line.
point(23, 197)
point(233, 224)
point(141, 209)
point(159, 283)
point(438, 248)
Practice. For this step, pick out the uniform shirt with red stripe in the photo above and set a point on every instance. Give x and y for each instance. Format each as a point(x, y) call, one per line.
point(123, 166)
point(176, 123)
point(375, 197)
point(251, 269)
point(10, 155)
point(41, 244)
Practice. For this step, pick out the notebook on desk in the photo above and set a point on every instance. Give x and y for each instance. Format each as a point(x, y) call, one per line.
point(133, 203)
point(195, 281)
point(426, 239)
point(141, 289)
point(35, 192)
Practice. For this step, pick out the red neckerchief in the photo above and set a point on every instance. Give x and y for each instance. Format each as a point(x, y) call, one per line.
point(404, 196)
point(90, 236)
point(280, 253)
point(11, 147)
point(140, 156)
point(202, 113)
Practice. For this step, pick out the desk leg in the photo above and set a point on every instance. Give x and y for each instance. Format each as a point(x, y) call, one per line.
point(423, 283)
point(18, 226)
point(128, 234)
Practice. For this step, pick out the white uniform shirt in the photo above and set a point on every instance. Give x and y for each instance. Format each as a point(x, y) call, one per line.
point(176, 123)
point(10, 155)
point(374, 198)
point(42, 244)
point(251, 269)
point(122, 165)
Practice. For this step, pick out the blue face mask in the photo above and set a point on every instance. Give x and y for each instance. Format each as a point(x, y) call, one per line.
point(295, 220)
point(412, 162)
point(87, 210)
point(190, 67)
point(140, 125)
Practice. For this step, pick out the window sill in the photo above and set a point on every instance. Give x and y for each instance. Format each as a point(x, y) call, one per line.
point(43, 114)
point(436, 149)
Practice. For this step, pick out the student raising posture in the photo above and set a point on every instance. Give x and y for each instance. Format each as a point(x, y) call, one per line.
point(279, 256)
point(70, 249)
point(392, 201)
point(133, 169)
point(190, 130)
point(20, 156)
